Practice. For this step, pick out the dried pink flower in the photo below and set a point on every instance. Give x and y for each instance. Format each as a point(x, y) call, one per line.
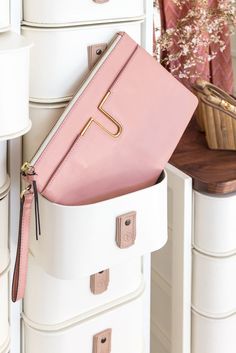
point(202, 27)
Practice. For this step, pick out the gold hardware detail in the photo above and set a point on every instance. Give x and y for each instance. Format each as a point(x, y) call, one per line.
point(25, 167)
point(23, 192)
point(101, 109)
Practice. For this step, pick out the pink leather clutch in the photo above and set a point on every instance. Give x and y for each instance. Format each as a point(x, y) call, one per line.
point(117, 133)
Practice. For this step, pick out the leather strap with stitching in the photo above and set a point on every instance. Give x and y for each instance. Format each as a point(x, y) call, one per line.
point(21, 264)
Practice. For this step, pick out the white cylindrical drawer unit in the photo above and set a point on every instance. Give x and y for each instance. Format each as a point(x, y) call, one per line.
point(214, 285)
point(4, 15)
point(14, 85)
point(214, 224)
point(213, 335)
point(124, 324)
point(3, 162)
point(78, 241)
point(62, 56)
point(4, 309)
point(45, 296)
point(43, 13)
point(4, 247)
point(43, 117)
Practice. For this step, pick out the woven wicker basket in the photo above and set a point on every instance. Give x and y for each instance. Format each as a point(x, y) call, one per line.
point(216, 115)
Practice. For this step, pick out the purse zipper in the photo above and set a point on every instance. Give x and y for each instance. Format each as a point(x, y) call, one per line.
point(28, 165)
point(27, 168)
point(28, 173)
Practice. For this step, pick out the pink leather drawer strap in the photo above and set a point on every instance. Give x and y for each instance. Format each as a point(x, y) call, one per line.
point(102, 342)
point(95, 51)
point(99, 282)
point(126, 230)
point(21, 264)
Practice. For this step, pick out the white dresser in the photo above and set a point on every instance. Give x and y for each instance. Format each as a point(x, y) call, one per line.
point(58, 314)
point(193, 276)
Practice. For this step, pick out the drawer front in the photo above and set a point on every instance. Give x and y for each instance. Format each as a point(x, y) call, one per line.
point(43, 117)
point(90, 234)
point(213, 335)
point(4, 15)
point(214, 224)
point(161, 260)
point(214, 285)
point(44, 306)
point(14, 85)
point(4, 305)
point(64, 12)
point(3, 163)
point(125, 323)
point(62, 56)
point(4, 249)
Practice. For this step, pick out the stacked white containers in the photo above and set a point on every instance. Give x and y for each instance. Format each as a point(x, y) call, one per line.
point(214, 270)
point(14, 121)
point(84, 290)
point(197, 267)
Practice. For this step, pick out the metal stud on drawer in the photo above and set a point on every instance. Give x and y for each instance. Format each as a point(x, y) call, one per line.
point(126, 230)
point(102, 342)
point(99, 282)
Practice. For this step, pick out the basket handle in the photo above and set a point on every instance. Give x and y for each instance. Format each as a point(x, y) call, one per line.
point(220, 104)
point(208, 88)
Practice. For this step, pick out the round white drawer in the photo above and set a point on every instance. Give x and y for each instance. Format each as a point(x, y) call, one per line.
point(122, 327)
point(214, 224)
point(14, 85)
point(51, 301)
point(78, 241)
point(4, 15)
point(214, 285)
point(60, 58)
point(4, 305)
point(64, 12)
point(43, 117)
point(213, 335)
point(3, 163)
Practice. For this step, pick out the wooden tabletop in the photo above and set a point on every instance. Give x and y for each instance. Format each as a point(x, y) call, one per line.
point(213, 172)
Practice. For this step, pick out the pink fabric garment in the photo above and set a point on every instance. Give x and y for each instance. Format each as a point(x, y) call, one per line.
point(218, 71)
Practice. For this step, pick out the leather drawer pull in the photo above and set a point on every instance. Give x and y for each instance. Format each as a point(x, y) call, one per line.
point(100, 1)
point(94, 53)
point(126, 230)
point(102, 342)
point(99, 282)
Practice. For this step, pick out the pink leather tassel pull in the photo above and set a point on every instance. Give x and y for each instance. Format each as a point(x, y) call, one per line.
point(21, 264)
point(36, 210)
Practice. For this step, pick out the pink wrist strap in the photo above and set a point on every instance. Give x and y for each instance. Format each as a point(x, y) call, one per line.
point(21, 264)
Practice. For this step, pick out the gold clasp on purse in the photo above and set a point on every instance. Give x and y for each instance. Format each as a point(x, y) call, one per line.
point(114, 121)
